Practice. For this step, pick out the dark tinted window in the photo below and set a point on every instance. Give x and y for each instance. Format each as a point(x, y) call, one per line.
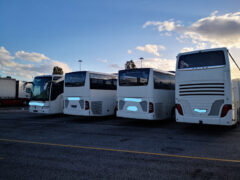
point(105, 82)
point(41, 88)
point(134, 77)
point(56, 78)
point(75, 79)
point(163, 81)
point(57, 89)
point(201, 59)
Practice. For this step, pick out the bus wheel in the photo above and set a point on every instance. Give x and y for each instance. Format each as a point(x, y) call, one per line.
point(173, 114)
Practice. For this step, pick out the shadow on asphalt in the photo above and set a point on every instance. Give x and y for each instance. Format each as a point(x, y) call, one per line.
point(207, 129)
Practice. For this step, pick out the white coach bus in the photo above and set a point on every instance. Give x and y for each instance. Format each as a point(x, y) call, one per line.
point(90, 93)
point(207, 87)
point(47, 94)
point(146, 93)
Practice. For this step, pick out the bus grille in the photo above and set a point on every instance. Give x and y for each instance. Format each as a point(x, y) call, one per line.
point(201, 89)
point(96, 107)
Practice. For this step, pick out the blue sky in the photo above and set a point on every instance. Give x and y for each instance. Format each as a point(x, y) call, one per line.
point(36, 35)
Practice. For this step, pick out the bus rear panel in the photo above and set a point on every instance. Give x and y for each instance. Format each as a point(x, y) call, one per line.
point(204, 88)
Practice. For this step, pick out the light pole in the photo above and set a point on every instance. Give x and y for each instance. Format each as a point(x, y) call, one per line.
point(141, 58)
point(80, 61)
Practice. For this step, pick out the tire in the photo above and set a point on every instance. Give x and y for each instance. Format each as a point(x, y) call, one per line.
point(235, 125)
point(1, 103)
point(173, 114)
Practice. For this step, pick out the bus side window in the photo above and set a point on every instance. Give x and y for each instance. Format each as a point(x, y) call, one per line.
point(57, 89)
point(103, 82)
point(161, 81)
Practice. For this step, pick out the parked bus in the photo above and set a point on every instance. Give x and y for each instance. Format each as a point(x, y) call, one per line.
point(146, 93)
point(207, 87)
point(47, 94)
point(89, 93)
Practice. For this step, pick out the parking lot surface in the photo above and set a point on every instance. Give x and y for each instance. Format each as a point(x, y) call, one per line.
point(35, 146)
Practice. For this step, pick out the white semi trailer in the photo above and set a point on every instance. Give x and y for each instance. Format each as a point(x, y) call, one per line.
point(13, 92)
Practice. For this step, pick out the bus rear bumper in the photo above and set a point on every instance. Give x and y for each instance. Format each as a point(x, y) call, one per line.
point(77, 112)
point(143, 116)
point(226, 121)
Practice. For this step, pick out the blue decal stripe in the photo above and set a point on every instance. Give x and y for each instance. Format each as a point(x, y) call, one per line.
point(73, 98)
point(200, 110)
point(132, 108)
point(133, 99)
point(36, 104)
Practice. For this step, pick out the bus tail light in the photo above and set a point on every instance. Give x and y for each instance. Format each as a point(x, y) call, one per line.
point(225, 109)
point(86, 105)
point(179, 109)
point(151, 108)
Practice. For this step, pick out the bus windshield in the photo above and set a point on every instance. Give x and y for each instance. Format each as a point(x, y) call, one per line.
point(75, 79)
point(134, 77)
point(201, 59)
point(41, 88)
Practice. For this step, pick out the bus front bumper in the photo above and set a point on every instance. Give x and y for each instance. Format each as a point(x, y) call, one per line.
point(38, 109)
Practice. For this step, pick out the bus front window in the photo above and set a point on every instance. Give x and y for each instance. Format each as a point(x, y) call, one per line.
point(41, 88)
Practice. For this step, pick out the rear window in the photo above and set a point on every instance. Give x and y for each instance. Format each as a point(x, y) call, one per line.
point(75, 79)
point(201, 59)
point(134, 77)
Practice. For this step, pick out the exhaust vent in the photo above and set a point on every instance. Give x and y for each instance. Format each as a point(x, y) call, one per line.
point(201, 89)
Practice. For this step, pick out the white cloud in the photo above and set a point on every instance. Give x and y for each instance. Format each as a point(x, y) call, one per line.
point(162, 26)
point(151, 48)
point(187, 49)
point(129, 51)
point(5, 55)
point(157, 63)
point(27, 71)
point(216, 30)
point(64, 66)
point(33, 56)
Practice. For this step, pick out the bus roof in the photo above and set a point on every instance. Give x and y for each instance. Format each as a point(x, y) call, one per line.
point(157, 70)
point(203, 50)
point(100, 73)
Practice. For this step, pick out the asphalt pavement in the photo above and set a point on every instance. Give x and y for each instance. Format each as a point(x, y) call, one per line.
point(35, 146)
